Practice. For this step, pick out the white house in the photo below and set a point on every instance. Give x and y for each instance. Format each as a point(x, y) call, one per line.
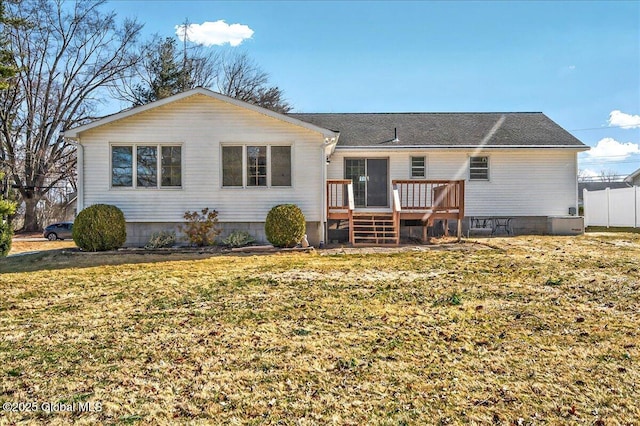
point(633, 178)
point(368, 173)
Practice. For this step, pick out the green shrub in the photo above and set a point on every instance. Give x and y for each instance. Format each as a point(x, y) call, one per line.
point(238, 239)
point(6, 230)
point(99, 227)
point(161, 239)
point(285, 225)
point(201, 229)
point(6, 233)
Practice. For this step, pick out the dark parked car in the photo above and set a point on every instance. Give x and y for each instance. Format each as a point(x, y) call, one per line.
point(58, 231)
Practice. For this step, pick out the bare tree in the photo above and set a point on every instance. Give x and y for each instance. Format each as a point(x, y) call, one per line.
point(608, 176)
point(165, 70)
point(243, 79)
point(67, 54)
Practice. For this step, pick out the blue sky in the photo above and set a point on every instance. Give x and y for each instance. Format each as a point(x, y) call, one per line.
point(578, 62)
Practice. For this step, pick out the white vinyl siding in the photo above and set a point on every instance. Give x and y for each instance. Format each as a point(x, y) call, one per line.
point(524, 182)
point(202, 125)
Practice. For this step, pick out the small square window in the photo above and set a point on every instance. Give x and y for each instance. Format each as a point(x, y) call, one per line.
point(478, 168)
point(418, 167)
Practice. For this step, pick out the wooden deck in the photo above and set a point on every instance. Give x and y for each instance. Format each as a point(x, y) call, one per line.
point(424, 200)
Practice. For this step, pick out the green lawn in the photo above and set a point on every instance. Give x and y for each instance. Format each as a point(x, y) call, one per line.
point(525, 330)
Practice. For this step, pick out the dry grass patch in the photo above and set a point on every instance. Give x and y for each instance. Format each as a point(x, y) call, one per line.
point(21, 246)
point(528, 330)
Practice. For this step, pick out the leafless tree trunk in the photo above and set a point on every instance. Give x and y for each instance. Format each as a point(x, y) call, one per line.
point(65, 56)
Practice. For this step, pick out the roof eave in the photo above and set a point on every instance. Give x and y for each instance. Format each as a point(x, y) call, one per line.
point(435, 147)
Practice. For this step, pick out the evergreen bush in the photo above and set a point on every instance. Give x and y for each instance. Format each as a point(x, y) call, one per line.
point(99, 227)
point(6, 233)
point(285, 225)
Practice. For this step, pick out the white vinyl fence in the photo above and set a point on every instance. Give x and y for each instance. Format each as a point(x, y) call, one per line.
point(612, 207)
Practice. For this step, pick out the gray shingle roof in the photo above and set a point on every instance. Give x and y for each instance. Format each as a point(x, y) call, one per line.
point(444, 129)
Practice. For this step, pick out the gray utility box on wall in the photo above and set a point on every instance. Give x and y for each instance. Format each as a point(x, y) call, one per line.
point(565, 225)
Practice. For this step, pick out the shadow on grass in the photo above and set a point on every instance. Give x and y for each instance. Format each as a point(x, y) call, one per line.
point(612, 229)
point(50, 260)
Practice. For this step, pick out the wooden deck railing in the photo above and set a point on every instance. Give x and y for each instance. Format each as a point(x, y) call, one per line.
point(431, 200)
point(427, 200)
point(397, 210)
point(431, 195)
point(339, 197)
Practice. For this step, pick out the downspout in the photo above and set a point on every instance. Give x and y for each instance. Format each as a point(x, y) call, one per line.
point(326, 150)
point(80, 171)
point(323, 182)
point(577, 187)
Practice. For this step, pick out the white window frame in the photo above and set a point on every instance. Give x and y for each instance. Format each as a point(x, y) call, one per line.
point(244, 165)
point(488, 168)
point(411, 157)
point(134, 159)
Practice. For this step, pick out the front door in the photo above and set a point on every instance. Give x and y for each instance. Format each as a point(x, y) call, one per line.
point(370, 178)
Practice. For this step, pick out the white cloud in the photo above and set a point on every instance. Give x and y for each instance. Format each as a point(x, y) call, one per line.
point(609, 149)
point(215, 33)
point(572, 67)
point(626, 121)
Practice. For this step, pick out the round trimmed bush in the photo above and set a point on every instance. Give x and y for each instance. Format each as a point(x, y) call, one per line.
point(99, 227)
point(285, 225)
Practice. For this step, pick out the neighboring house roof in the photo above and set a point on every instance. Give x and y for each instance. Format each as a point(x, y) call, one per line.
point(599, 186)
point(456, 130)
point(75, 132)
point(632, 176)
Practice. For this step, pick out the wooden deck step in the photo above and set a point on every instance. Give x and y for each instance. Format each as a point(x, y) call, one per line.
point(374, 228)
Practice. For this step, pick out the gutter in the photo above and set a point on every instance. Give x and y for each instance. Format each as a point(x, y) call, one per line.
point(326, 150)
point(459, 147)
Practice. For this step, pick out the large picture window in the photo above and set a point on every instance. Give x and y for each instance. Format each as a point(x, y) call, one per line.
point(256, 165)
point(141, 166)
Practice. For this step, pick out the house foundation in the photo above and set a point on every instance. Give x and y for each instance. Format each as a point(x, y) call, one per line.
point(139, 233)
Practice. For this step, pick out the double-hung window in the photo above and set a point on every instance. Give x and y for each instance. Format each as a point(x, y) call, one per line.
point(418, 168)
point(146, 166)
point(478, 168)
point(256, 165)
